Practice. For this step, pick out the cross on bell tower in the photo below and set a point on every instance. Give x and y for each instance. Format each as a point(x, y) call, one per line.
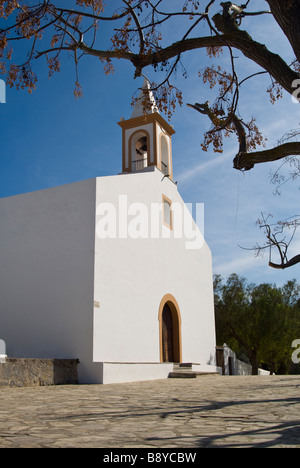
point(146, 137)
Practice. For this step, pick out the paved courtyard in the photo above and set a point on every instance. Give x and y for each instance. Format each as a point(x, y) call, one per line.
point(208, 412)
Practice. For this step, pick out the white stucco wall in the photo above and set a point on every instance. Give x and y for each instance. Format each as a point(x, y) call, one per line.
point(114, 372)
point(46, 274)
point(238, 367)
point(66, 293)
point(133, 275)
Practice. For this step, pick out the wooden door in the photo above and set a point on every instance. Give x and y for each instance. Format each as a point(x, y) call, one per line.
point(220, 358)
point(167, 334)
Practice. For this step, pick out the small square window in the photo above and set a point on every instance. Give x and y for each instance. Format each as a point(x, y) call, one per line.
point(167, 212)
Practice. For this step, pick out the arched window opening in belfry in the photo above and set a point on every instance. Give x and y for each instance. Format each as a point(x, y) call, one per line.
point(164, 155)
point(139, 153)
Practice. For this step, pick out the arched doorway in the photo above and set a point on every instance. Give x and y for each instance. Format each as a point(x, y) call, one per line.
point(167, 334)
point(170, 330)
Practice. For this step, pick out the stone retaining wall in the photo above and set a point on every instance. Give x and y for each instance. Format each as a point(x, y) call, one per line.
point(16, 372)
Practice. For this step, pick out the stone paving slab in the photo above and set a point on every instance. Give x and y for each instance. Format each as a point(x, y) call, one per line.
point(206, 412)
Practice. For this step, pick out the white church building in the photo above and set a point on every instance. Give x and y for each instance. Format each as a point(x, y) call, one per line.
point(112, 271)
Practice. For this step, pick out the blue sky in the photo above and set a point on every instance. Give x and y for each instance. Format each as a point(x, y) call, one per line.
point(49, 138)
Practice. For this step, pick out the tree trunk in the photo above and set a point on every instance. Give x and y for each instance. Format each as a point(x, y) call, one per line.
point(254, 363)
point(286, 13)
point(255, 51)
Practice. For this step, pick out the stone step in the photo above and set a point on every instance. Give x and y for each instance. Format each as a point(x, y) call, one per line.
point(184, 370)
point(189, 374)
point(182, 375)
point(181, 365)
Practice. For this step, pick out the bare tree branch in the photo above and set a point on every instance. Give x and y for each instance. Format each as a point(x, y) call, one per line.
point(246, 161)
point(280, 237)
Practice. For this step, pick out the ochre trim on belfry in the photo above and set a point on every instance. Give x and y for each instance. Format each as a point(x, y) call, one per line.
point(124, 168)
point(170, 162)
point(168, 298)
point(147, 118)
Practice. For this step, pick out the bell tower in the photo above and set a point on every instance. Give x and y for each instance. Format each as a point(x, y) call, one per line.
point(146, 137)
